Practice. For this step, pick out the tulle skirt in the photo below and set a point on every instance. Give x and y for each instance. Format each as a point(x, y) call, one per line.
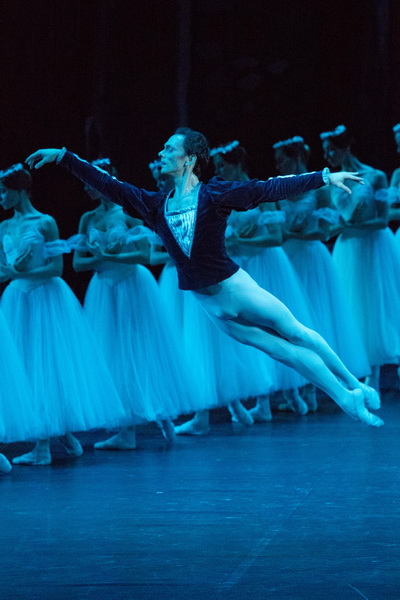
point(369, 266)
point(332, 311)
point(273, 271)
point(225, 369)
point(72, 388)
point(131, 324)
point(19, 419)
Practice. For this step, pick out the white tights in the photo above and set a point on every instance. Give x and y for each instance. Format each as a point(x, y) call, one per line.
point(253, 316)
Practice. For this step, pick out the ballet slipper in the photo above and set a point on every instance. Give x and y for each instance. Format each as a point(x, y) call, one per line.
point(193, 427)
point(71, 445)
point(5, 466)
point(117, 442)
point(167, 429)
point(241, 414)
point(353, 405)
point(371, 397)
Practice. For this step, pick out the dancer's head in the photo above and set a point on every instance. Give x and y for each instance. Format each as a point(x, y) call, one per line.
point(15, 183)
point(184, 150)
point(336, 145)
point(103, 164)
point(230, 161)
point(291, 155)
point(396, 132)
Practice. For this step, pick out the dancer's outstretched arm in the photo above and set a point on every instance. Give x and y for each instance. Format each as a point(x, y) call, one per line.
point(137, 202)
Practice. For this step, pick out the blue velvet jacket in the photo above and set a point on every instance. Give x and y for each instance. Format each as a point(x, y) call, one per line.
point(208, 263)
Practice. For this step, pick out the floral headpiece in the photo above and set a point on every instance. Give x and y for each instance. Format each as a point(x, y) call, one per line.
point(339, 130)
point(396, 128)
point(12, 169)
point(294, 140)
point(156, 164)
point(224, 149)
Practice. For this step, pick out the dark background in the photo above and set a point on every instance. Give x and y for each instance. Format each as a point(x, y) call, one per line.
point(115, 78)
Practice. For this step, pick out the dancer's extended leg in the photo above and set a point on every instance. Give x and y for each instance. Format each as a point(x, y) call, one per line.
point(254, 317)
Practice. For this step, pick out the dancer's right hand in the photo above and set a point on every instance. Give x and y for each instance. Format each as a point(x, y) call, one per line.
point(42, 157)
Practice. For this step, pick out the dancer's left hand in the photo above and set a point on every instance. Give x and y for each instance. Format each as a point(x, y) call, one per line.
point(338, 179)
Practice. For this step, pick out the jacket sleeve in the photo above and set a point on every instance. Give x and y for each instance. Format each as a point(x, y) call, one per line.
point(135, 201)
point(249, 194)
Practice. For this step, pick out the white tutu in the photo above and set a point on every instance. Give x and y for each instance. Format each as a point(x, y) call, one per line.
point(369, 265)
point(225, 369)
point(332, 312)
point(19, 419)
point(126, 311)
point(72, 387)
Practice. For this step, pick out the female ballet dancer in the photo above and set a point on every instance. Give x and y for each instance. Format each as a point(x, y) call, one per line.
point(394, 210)
point(191, 222)
point(18, 419)
point(125, 310)
point(307, 223)
point(253, 240)
point(72, 387)
point(366, 254)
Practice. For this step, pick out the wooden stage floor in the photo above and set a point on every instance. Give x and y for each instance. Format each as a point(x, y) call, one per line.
point(302, 508)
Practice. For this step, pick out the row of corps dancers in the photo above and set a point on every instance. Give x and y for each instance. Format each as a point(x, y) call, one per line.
point(231, 298)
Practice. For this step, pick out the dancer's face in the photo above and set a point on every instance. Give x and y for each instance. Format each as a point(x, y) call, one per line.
point(8, 198)
point(173, 157)
point(225, 169)
point(334, 155)
point(285, 165)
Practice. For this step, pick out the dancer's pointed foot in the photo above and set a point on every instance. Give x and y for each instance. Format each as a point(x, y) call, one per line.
point(193, 427)
point(261, 413)
point(309, 395)
point(295, 402)
point(167, 429)
point(371, 397)
point(71, 444)
point(240, 414)
point(353, 403)
point(5, 466)
point(39, 457)
point(119, 441)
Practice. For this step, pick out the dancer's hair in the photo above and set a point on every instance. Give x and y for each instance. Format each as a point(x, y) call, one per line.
point(16, 177)
point(396, 128)
point(294, 147)
point(195, 143)
point(105, 165)
point(233, 153)
point(339, 136)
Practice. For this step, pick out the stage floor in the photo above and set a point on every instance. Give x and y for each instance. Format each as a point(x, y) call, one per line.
point(302, 508)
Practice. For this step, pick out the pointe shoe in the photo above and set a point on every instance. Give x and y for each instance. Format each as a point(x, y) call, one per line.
point(33, 459)
point(310, 398)
point(116, 442)
point(5, 466)
point(71, 445)
point(356, 409)
point(192, 427)
point(260, 414)
point(241, 414)
point(167, 429)
point(295, 402)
